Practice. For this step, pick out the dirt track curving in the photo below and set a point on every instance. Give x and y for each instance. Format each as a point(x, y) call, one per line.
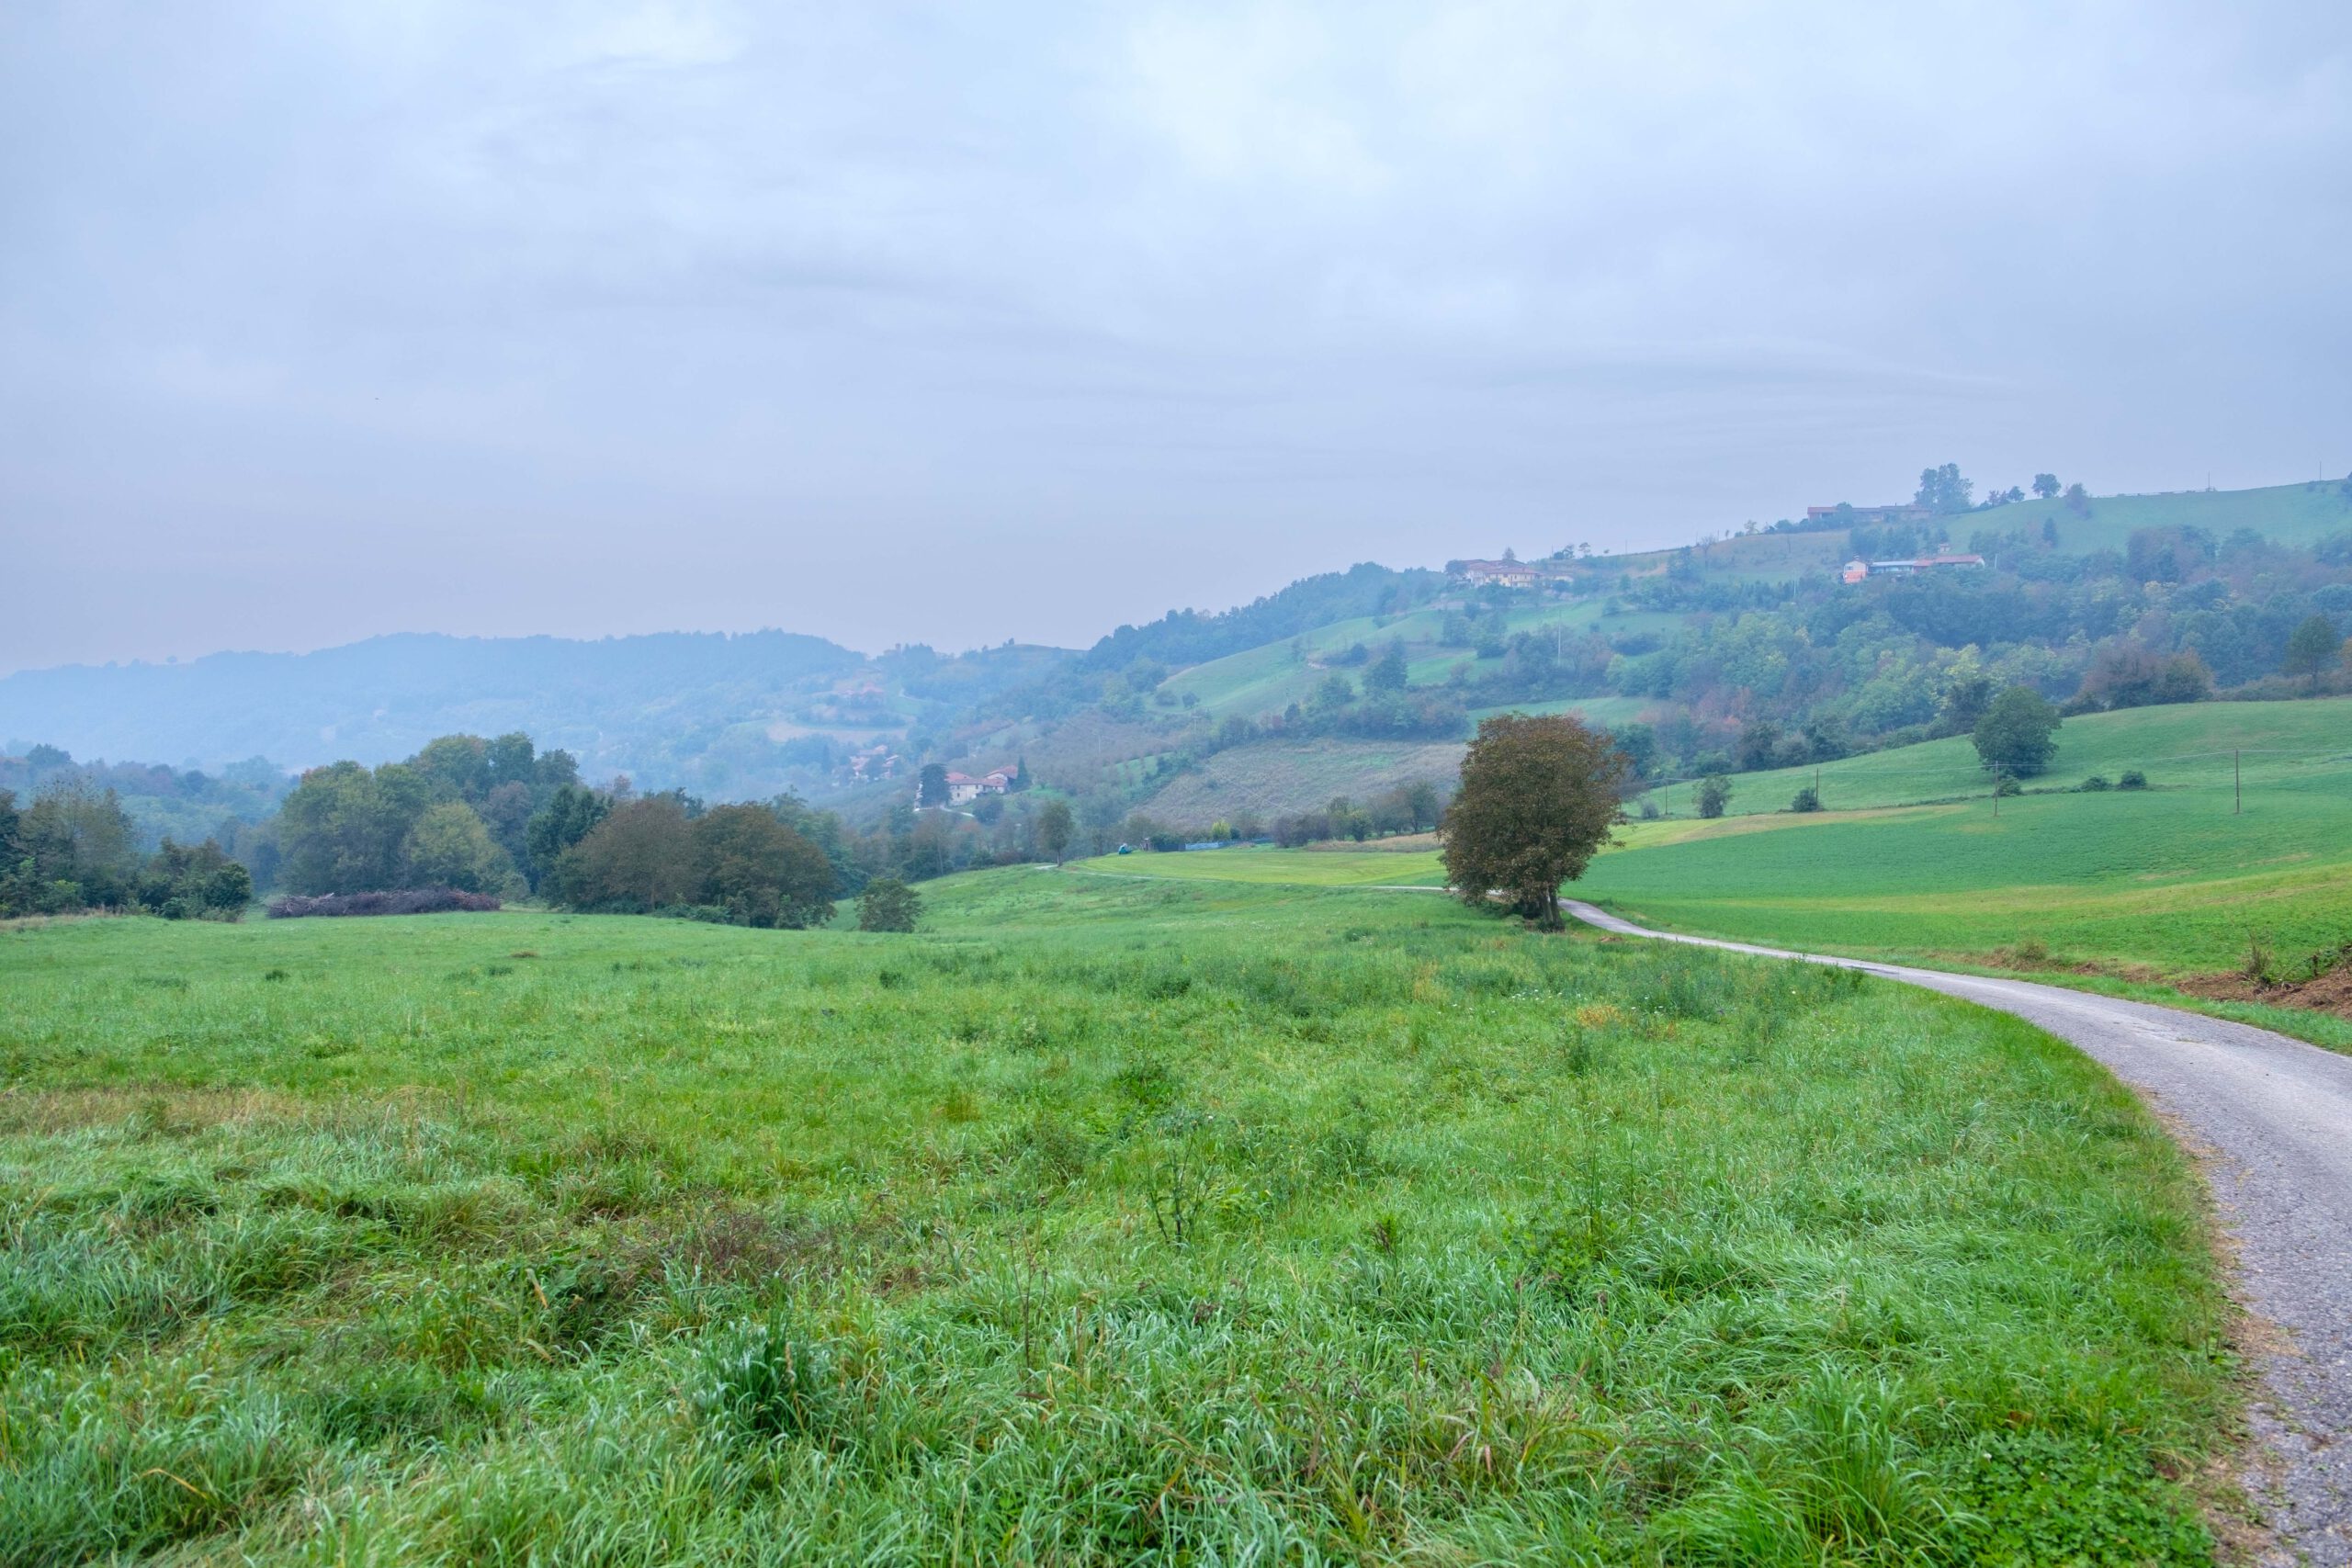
point(2271, 1120)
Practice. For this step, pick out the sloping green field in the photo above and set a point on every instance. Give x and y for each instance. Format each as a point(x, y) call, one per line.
point(2172, 878)
point(2191, 747)
point(2294, 514)
point(2176, 877)
point(1109, 1221)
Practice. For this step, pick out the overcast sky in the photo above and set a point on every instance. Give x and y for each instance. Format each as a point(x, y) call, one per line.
point(965, 321)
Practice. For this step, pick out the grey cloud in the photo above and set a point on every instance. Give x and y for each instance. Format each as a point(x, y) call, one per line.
point(960, 322)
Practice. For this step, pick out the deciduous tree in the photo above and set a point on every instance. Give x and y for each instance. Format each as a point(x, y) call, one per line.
point(1943, 491)
point(567, 817)
point(1055, 828)
point(343, 828)
point(761, 872)
point(639, 858)
point(889, 905)
point(2311, 647)
point(2017, 734)
point(449, 847)
point(1538, 798)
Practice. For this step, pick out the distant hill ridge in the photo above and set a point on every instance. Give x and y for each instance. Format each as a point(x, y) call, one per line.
point(382, 698)
point(747, 715)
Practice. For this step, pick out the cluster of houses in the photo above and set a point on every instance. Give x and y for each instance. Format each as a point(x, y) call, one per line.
point(877, 762)
point(1509, 574)
point(1876, 516)
point(1858, 570)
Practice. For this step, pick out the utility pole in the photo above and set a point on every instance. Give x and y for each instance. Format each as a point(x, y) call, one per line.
point(2237, 785)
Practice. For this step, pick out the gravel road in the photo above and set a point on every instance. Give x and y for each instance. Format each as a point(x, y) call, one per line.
point(2270, 1119)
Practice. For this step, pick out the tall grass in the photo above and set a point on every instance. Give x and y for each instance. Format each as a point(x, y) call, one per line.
point(1109, 1222)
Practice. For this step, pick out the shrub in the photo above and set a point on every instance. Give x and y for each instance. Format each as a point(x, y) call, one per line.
point(407, 901)
point(889, 905)
point(708, 914)
point(2132, 779)
point(2006, 784)
point(197, 882)
point(1714, 794)
point(1807, 799)
point(2095, 783)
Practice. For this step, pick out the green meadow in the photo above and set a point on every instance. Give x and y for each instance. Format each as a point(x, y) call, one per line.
point(2177, 879)
point(2288, 754)
point(2174, 880)
point(1109, 1220)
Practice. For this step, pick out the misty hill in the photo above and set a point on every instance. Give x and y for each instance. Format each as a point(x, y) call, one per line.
point(1742, 649)
point(621, 698)
point(1748, 649)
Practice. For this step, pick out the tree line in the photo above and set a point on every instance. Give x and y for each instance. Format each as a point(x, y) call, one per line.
point(75, 849)
point(498, 817)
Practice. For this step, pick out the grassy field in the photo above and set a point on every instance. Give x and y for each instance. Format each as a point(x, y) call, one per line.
point(2294, 513)
point(2172, 878)
point(1112, 1221)
point(1266, 680)
point(2148, 886)
point(2288, 750)
point(1318, 867)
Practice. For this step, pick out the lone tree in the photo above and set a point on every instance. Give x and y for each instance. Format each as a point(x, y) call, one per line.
point(2311, 647)
point(1055, 828)
point(889, 905)
point(930, 785)
point(2046, 486)
point(1538, 797)
point(2017, 735)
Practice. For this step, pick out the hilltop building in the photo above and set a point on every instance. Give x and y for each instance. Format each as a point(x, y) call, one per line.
point(1509, 574)
point(1855, 571)
point(1877, 517)
point(963, 788)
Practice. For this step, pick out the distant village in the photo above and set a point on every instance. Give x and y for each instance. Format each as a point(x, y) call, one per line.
point(1562, 570)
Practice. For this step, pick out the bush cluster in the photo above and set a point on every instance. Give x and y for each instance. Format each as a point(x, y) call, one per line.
point(75, 849)
point(404, 901)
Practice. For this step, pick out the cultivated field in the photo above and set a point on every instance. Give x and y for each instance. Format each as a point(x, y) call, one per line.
point(1276, 777)
point(2172, 878)
point(1112, 1220)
